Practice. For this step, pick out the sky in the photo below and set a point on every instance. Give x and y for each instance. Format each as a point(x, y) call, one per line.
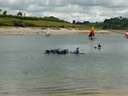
point(87, 10)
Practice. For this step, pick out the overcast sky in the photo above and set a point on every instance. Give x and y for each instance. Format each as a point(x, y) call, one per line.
point(92, 10)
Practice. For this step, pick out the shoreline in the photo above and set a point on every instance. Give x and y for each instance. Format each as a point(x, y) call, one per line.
point(34, 31)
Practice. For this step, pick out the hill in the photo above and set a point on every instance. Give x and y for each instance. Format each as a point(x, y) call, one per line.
point(43, 22)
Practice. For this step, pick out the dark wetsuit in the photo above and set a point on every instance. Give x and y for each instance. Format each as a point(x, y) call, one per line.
point(77, 51)
point(99, 46)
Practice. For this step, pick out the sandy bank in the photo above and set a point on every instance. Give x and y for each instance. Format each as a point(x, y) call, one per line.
point(41, 32)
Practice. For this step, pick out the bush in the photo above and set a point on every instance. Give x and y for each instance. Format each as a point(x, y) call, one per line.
point(19, 23)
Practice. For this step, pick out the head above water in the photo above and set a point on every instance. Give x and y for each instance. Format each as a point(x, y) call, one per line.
point(77, 48)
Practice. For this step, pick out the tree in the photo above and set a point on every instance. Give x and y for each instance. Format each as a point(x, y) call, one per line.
point(116, 23)
point(5, 12)
point(19, 14)
point(86, 22)
point(0, 11)
point(73, 21)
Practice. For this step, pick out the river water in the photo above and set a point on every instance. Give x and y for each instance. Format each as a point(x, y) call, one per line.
point(26, 71)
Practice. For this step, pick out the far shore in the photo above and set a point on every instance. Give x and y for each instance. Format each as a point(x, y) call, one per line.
point(32, 31)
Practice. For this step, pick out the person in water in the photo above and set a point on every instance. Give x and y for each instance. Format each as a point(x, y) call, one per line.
point(92, 34)
point(77, 51)
point(99, 46)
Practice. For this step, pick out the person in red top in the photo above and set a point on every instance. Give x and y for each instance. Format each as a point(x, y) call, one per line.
point(92, 33)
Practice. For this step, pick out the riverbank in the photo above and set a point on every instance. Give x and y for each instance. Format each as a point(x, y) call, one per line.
point(34, 31)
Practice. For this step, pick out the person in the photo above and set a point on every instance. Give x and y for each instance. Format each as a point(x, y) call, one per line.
point(77, 50)
point(95, 47)
point(99, 46)
point(92, 34)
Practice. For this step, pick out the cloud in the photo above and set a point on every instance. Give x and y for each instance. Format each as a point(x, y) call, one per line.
point(94, 10)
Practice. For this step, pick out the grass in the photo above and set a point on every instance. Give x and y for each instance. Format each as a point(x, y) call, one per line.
point(46, 22)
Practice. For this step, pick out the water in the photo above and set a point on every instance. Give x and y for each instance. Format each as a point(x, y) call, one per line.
point(26, 71)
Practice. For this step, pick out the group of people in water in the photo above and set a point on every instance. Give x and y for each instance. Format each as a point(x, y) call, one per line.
point(66, 51)
point(62, 51)
point(56, 51)
point(77, 50)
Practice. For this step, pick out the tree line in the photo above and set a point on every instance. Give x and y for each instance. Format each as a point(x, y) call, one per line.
point(116, 23)
point(112, 23)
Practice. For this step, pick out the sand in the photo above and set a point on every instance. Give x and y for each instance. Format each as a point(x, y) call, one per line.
point(28, 31)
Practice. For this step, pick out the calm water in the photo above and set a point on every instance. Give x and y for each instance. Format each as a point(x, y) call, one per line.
point(26, 71)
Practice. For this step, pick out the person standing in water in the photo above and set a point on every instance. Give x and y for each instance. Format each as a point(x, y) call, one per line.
point(92, 34)
point(77, 50)
point(99, 46)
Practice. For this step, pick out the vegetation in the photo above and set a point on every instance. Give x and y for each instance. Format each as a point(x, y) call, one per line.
point(21, 20)
point(115, 23)
point(45, 22)
point(120, 23)
point(5, 12)
point(0, 11)
point(19, 14)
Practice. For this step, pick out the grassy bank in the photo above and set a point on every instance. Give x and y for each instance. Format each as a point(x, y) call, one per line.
point(46, 22)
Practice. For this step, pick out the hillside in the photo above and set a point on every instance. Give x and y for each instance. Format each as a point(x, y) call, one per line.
point(45, 22)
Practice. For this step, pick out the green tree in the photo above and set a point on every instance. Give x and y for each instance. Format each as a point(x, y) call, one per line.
point(116, 23)
point(19, 14)
point(0, 11)
point(5, 12)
